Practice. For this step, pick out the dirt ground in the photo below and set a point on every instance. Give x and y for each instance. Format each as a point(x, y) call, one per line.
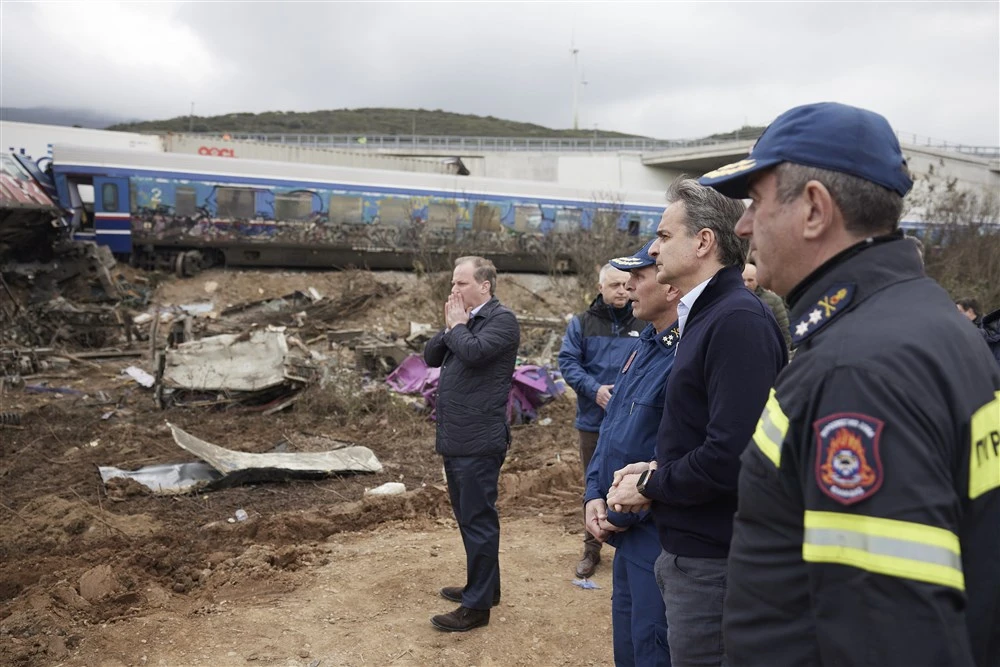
point(319, 574)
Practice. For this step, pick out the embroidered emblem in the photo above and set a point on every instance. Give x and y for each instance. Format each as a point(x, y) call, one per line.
point(670, 338)
point(734, 168)
point(627, 261)
point(848, 465)
point(829, 306)
point(628, 363)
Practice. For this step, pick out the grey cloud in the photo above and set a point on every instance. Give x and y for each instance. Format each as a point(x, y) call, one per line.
point(664, 69)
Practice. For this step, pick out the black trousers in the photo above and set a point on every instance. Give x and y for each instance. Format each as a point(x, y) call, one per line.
point(472, 486)
point(588, 443)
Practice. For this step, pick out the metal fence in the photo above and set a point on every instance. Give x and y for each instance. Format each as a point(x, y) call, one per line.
point(390, 142)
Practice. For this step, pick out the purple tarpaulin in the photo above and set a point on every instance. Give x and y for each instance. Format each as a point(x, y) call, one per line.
point(531, 387)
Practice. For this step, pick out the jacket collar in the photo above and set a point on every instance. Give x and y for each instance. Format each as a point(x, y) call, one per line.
point(723, 282)
point(487, 308)
point(847, 279)
point(602, 309)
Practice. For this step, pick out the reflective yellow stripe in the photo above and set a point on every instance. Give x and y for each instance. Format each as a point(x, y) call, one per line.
point(884, 546)
point(984, 459)
point(771, 429)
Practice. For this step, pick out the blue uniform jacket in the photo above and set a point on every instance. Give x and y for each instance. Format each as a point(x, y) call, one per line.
point(593, 350)
point(628, 435)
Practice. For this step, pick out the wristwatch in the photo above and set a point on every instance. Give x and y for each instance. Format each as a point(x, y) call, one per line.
point(640, 485)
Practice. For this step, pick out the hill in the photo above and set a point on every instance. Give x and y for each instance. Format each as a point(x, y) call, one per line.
point(360, 121)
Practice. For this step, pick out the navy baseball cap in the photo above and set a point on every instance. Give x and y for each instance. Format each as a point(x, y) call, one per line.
point(826, 135)
point(637, 261)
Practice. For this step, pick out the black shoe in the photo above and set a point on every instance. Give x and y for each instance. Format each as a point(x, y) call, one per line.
point(588, 563)
point(461, 620)
point(454, 593)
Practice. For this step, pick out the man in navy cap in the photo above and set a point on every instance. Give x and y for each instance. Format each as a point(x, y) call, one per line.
point(628, 434)
point(868, 528)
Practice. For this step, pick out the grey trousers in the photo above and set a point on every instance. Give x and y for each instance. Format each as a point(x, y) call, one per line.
point(693, 591)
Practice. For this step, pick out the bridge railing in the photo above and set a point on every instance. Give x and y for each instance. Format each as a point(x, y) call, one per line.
point(417, 142)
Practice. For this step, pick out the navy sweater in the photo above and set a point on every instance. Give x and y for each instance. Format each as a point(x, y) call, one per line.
point(727, 360)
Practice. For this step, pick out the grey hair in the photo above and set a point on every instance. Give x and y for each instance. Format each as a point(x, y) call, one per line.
point(706, 208)
point(603, 273)
point(483, 270)
point(867, 207)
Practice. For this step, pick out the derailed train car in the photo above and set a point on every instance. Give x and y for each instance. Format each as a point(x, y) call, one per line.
point(187, 212)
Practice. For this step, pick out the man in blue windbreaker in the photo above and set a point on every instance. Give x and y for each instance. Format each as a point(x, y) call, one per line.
point(593, 350)
point(628, 434)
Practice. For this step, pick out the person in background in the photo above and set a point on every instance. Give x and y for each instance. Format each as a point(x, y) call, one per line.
point(593, 350)
point(773, 301)
point(476, 352)
point(969, 307)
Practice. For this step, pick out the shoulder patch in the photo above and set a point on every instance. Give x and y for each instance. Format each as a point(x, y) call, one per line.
point(831, 304)
point(848, 465)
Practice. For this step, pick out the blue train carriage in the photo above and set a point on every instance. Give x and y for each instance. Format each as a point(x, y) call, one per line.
point(186, 212)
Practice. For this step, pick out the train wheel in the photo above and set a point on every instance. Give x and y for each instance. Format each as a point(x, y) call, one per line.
point(188, 264)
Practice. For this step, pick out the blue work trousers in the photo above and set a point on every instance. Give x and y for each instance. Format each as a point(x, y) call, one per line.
point(638, 621)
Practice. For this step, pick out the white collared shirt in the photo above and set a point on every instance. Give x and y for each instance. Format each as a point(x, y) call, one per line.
point(686, 304)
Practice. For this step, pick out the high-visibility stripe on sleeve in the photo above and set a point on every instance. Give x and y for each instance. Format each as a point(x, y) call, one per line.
point(771, 429)
point(984, 459)
point(884, 546)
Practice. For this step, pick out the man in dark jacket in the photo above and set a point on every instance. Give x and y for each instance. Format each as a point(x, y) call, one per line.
point(969, 306)
point(476, 353)
point(592, 353)
point(773, 301)
point(729, 354)
point(990, 326)
point(868, 528)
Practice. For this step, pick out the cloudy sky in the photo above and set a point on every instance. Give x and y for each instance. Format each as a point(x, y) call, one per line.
point(668, 70)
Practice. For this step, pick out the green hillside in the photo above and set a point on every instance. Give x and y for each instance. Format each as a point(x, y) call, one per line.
point(359, 121)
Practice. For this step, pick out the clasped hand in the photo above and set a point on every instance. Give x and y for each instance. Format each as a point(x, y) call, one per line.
point(454, 311)
point(623, 495)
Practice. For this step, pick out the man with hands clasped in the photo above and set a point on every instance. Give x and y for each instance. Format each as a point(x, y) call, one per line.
point(628, 433)
point(730, 352)
point(476, 352)
point(593, 351)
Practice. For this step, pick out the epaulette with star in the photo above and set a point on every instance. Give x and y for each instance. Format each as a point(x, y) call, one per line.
point(831, 304)
point(670, 338)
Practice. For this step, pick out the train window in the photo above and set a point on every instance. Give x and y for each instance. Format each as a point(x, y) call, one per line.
point(293, 206)
point(527, 218)
point(236, 203)
point(394, 211)
point(184, 201)
point(346, 210)
point(486, 218)
point(567, 220)
point(109, 197)
point(442, 215)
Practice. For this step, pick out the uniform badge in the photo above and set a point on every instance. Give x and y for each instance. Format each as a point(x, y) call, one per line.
point(628, 363)
point(670, 338)
point(848, 466)
point(831, 304)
